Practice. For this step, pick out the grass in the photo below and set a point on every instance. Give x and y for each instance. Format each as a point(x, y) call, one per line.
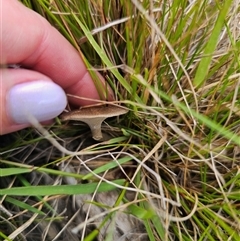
point(176, 68)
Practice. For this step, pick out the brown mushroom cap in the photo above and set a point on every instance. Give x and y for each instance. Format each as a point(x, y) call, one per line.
point(94, 116)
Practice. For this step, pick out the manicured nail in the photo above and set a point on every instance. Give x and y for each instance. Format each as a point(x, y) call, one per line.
point(42, 99)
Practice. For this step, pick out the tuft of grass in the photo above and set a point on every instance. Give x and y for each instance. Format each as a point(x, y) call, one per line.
point(175, 66)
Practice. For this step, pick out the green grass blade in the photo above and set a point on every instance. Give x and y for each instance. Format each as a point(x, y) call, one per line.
point(108, 166)
point(205, 62)
point(4, 172)
point(60, 190)
point(23, 205)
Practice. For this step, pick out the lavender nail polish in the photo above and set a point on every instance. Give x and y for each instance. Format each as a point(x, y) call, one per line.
point(42, 99)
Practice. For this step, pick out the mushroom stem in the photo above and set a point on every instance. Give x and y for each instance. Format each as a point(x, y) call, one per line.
point(95, 126)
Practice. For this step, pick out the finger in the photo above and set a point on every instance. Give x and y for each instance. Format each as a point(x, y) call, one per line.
point(43, 49)
point(27, 93)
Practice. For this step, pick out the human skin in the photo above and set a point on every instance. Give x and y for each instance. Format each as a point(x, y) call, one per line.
point(28, 40)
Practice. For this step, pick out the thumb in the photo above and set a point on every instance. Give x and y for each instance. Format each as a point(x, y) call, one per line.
point(25, 93)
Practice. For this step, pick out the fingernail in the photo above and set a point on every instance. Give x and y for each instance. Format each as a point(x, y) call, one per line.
point(42, 99)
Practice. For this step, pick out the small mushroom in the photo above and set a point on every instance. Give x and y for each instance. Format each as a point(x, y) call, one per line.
point(94, 116)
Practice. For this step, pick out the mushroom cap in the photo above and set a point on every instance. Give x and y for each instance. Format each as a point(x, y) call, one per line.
point(94, 112)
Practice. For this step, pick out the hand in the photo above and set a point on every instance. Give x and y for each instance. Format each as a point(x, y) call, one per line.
point(50, 66)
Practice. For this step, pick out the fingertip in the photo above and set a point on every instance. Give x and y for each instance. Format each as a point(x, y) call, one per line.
point(41, 99)
point(6, 128)
point(30, 95)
